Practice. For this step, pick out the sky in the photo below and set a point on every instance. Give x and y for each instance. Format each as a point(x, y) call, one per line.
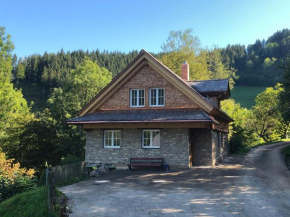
point(37, 26)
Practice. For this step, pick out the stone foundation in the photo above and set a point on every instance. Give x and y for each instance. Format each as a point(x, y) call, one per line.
point(174, 147)
point(178, 147)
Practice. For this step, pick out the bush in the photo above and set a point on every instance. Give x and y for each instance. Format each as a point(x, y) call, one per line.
point(70, 159)
point(14, 179)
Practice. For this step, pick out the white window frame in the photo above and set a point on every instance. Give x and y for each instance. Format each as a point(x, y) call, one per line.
point(157, 96)
point(138, 105)
point(112, 138)
point(151, 138)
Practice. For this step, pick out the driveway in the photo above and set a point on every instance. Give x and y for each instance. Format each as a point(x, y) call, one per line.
point(257, 184)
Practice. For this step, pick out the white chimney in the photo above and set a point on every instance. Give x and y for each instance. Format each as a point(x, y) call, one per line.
point(185, 71)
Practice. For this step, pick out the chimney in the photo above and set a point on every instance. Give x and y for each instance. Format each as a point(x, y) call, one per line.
point(185, 71)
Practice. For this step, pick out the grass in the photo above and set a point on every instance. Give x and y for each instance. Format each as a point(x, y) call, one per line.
point(33, 203)
point(34, 93)
point(245, 95)
point(27, 204)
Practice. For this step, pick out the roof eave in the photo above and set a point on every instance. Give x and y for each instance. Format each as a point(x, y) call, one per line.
point(125, 122)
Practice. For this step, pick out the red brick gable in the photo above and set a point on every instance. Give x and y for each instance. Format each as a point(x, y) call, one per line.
point(147, 78)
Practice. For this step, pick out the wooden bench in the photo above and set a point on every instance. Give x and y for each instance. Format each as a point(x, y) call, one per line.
point(146, 162)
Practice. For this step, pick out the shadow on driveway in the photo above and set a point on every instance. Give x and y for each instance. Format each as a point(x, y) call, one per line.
point(230, 189)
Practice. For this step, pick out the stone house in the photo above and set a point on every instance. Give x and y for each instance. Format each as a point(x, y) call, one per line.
point(149, 111)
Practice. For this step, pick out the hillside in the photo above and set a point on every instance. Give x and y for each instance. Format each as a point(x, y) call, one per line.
point(245, 95)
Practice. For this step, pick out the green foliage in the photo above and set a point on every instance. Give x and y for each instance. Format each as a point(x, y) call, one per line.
point(85, 82)
point(241, 136)
point(257, 64)
point(40, 142)
point(260, 125)
point(47, 138)
point(265, 117)
point(284, 98)
point(204, 63)
point(6, 47)
point(219, 70)
point(51, 70)
point(180, 46)
point(68, 159)
point(27, 204)
point(15, 112)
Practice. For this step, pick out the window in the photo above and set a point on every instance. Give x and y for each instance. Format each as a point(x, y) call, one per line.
point(112, 138)
point(157, 97)
point(151, 139)
point(137, 97)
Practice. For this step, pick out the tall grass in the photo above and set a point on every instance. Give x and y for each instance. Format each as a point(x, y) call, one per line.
point(27, 204)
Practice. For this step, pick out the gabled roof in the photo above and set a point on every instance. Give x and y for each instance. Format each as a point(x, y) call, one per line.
point(144, 59)
point(144, 115)
point(212, 87)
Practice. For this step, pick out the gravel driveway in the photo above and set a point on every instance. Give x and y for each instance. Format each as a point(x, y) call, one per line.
point(257, 184)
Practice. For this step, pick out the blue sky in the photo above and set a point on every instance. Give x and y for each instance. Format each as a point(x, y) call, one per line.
point(37, 26)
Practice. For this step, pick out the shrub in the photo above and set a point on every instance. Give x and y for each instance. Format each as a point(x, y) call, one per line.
point(13, 178)
point(70, 159)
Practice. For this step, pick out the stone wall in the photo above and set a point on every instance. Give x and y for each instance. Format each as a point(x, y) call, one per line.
point(225, 150)
point(201, 143)
point(147, 78)
point(220, 146)
point(174, 147)
point(215, 147)
point(208, 147)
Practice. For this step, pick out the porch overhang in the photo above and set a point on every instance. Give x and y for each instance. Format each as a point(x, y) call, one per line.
point(164, 117)
point(148, 125)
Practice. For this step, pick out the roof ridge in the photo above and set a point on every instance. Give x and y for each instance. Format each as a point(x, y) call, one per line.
point(209, 80)
point(185, 82)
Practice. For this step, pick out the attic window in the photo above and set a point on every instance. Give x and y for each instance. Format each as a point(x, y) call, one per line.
point(137, 98)
point(157, 96)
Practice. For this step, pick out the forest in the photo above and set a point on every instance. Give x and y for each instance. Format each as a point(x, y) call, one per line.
point(255, 65)
point(38, 136)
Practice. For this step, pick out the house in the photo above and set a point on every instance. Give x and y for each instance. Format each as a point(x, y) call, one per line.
point(149, 111)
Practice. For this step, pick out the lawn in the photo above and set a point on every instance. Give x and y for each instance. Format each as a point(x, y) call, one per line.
point(245, 95)
point(34, 93)
point(27, 204)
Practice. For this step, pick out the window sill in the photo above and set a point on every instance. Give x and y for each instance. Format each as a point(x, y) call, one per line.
point(137, 106)
point(150, 147)
point(156, 105)
point(112, 147)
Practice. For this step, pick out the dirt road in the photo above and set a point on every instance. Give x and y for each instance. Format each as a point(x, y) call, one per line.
point(257, 185)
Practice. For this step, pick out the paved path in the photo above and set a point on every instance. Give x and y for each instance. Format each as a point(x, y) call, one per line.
point(256, 185)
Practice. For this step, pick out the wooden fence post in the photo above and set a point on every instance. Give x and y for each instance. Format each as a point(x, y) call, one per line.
point(50, 190)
